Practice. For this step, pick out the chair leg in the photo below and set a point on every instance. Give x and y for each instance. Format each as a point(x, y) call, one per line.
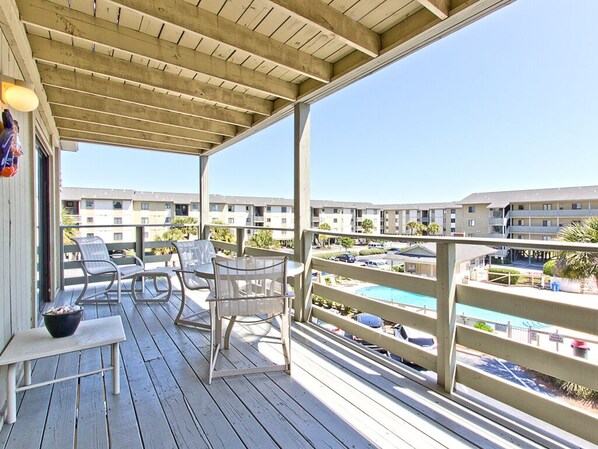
point(229, 331)
point(215, 340)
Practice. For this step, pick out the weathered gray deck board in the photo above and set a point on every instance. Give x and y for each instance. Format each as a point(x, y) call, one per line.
point(335, 398)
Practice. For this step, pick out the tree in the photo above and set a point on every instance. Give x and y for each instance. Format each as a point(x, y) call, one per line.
point(347, 242)
point(421, 229)
point(184, 227)
point(263, 239)
point(433, 228)
point(323, 238)
point(67, 220)
point(367, 225)
point(222, 234)
point(577, 264)
point(412, 227)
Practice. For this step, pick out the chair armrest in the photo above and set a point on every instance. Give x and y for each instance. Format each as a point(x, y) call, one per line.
point(138, 261)
point(107, 262)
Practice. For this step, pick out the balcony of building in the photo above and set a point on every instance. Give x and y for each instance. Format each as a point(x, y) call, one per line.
point(340, 393)
point(554, 213)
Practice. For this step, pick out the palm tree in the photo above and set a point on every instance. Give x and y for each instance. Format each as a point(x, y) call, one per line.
point(322, 237)
point(433, 228)
point(67, 220)
point(411, 227)
point(577, 264)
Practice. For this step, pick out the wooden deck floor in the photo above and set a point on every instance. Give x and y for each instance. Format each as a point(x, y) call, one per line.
point(334, 398)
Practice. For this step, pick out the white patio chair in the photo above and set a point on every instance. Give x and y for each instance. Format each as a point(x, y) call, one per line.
point(249, 286)
point(191, 254)
point(95, 261)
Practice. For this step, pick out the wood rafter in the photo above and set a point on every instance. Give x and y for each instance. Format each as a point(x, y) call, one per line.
point(91, 61)
point(123, 109)
point(82, 115)
point(52, 16)
point(189, 17)
point(95, 128)
point(81, 82)
point(78, 136)
point(440, 8)
point(331, 20)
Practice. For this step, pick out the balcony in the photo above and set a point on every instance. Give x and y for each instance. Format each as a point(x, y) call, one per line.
point(553, 213)
point(371, 384)
point(498, 221)
point(335, 397)
point(533, 229)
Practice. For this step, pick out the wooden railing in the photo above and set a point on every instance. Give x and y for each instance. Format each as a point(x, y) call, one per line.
point(574, 316)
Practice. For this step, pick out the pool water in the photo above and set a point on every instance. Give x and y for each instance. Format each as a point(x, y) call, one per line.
point(415, 300)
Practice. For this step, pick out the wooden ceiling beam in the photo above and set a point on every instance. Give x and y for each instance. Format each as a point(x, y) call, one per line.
point(440, 8)
point(123, 109)
point(81, 82)
point(81, 115)
point(330, 20)
point(77, 136)
point(61, 19)
point(95, 128)
point(189, 17)
point(68, 55)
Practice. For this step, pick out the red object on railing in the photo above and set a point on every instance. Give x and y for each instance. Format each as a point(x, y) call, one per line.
point(578, 344)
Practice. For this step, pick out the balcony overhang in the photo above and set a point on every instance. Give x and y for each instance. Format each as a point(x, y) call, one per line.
point(179, 78)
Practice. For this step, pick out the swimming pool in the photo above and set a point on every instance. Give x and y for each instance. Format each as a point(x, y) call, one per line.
point(413, 299)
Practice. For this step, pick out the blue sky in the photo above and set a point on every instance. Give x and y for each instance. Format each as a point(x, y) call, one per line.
point(509, 102)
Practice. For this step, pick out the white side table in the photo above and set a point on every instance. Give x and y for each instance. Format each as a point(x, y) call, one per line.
point(33, 344)
point(154, 273)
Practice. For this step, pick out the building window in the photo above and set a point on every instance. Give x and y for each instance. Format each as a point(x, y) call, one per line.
point(167, 220)
point(248, 220)
point(90, 234)
point(283, 209)
point(231, 221)
point(471, 209)
point(471, 223)
point(576, 206)
point(213, 207)
point(268, 220)
point(195, 206)
point(231, 208)
point(144, 206)
point(118, 220)
point(546, 237)
point(167, 206)
point(547, 206)
point(247, 208)
point(89, 219)
point(284, 221)
point(335, 220)
point(144, 220)
point(545, 223)
point(335, 211)
point(70, 204)
point(89, 204)
point(117, 204)
point(118, 236)
point(453, 220)
point(520, 207)
point(268, 209)
point(453, 211)
point(181, 210)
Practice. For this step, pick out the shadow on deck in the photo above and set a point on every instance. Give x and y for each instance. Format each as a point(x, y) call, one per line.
point(335, 397)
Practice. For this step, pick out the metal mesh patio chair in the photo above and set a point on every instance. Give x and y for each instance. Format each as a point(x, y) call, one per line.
point(192, 254)
point(249, 286)
point(95, 260)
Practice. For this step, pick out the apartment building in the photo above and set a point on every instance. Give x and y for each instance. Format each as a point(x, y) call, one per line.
point(394, 217)
point(527, 214)
point(118, 207)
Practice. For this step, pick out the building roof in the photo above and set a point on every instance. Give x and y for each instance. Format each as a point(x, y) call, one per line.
point(502, 199)
point(424, 206)
point(426, 251)
point(79, 193)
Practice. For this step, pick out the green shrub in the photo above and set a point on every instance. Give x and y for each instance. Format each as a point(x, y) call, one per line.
point(371, 251)
point(504, 275)
point(483, 327)
point(398, 268)
point(548, 268)
point(333, 254)
point(571, 389)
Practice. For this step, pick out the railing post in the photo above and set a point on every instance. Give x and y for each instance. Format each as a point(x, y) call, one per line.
point(62, 255)
point(302, 210)
point(446, 315)
point(140, 243)
point(204, 199)
point(240, 241)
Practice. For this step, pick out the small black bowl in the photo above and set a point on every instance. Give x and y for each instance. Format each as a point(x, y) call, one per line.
point(63, 325)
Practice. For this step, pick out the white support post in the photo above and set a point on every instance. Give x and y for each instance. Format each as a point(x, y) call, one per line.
point(240, 241)
point(302, 211)
point(204, 198)
point(446, 315)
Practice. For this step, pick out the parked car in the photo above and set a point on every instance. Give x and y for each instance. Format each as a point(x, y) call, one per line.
point(412, 336)
point(328, 327)
point(347, 257)
point(373, 321)
point(394, 251)
point(375, 245)
point(380, 264)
